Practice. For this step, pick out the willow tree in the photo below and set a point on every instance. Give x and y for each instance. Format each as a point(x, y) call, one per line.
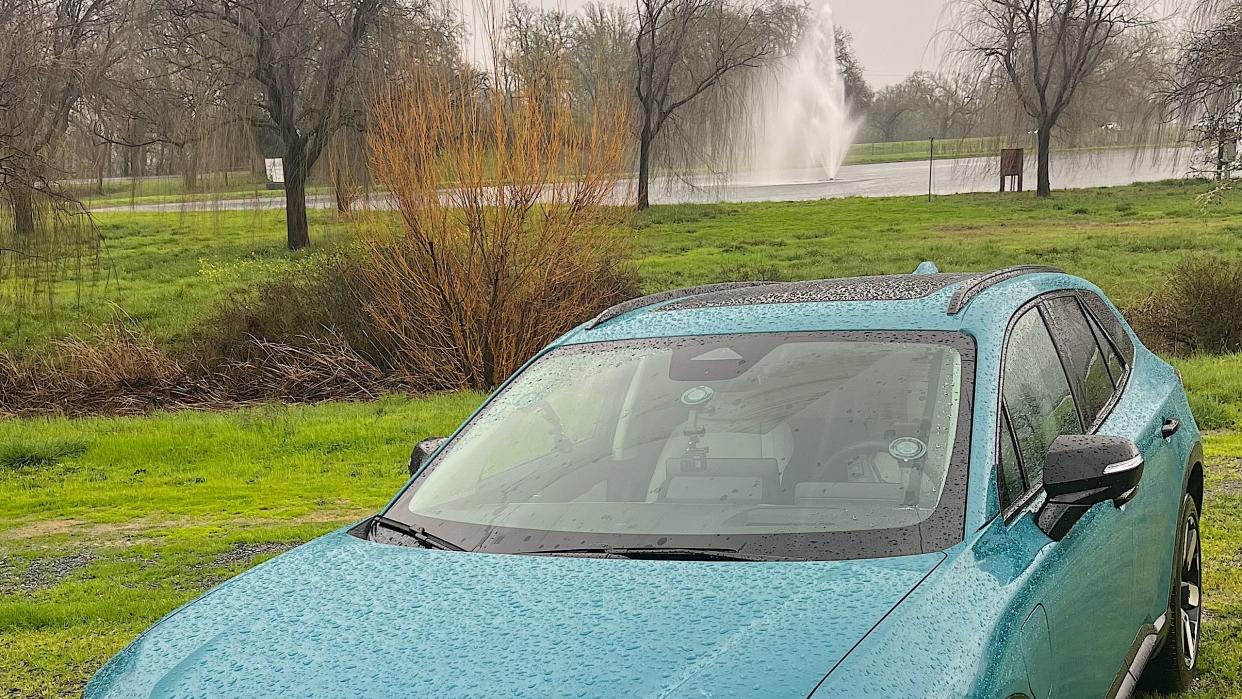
point(1205, 95)
point(296, 58)
point(685, 49)
point(1046, 51)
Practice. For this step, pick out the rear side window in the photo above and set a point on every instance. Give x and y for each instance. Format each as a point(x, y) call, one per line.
point(1011, 484)
point(1037, 394)
point(1084, 361)
point(1113, 327)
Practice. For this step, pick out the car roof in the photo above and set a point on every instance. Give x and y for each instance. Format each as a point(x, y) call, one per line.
point(927, 300)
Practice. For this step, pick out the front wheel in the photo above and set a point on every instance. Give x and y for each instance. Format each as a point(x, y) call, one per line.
point(1171, 670)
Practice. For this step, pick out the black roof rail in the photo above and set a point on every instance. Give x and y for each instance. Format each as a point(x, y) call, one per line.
point(652, 299)
point(968, 291)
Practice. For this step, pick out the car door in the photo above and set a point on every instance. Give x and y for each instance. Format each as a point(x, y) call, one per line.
point(1088, 577)
point(1153, 512)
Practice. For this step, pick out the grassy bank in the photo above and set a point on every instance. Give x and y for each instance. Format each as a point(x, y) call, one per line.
point(166, 270)
point(1125, 239)
point(108, 524)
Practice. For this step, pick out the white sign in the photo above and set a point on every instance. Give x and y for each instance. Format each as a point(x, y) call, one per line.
point(275, 170)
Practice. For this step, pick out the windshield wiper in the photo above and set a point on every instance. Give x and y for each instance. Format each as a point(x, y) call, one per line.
point(657, 552)
point(418, 534)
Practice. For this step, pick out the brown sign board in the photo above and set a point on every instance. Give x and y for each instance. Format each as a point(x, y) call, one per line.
point(1011, 168)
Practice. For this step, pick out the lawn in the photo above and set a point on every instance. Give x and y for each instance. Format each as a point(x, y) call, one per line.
point(167, 270)
point(109, 523)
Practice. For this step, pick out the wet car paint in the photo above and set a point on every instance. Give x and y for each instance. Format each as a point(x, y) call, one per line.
point(1008, 611)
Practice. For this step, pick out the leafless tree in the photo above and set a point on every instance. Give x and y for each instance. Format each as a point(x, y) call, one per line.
point(53, 53)
point(296, 58)
point(858, 93)
point(1045, 50)
point(1205, 93)
point(686, 48)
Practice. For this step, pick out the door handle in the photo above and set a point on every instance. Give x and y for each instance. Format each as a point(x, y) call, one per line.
point(1170, 428)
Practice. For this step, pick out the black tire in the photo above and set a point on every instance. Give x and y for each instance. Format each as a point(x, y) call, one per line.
point(1172, 668)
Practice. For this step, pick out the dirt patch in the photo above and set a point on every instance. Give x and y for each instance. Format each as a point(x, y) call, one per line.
point(128, 533)
point(117, 532)
point(42, 572)
point(241, 553)
point(1229, 489)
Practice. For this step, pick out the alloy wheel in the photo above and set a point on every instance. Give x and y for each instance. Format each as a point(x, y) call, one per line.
point(1190, 605)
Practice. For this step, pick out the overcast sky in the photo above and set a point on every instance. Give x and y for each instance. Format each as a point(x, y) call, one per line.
point(891, 37)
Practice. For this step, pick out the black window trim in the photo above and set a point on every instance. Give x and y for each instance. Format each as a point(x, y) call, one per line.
point(945, 528)
point(1010, 511)
point(1127, 359)
point(1075, 393)
point(1008, 435)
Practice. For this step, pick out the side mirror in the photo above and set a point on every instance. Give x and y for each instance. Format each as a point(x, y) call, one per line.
point(1083, 471)
point(423, 451)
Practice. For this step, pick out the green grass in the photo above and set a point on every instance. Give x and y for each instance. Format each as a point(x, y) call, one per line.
point(1125, 239)
point(903, 151)
point(107, 524)
point(167, 270)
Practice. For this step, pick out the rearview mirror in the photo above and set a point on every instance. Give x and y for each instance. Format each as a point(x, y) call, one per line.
point(1083, 471)
point(423, 451)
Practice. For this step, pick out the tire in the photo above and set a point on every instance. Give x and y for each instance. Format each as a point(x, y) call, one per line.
point(1172, 668)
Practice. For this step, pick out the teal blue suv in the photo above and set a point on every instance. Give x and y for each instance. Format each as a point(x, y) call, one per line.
point(925, 485)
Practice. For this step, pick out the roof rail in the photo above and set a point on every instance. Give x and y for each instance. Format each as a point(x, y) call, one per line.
point(968, 291)
point(652, 299)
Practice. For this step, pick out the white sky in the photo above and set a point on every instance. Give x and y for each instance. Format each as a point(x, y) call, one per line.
point(892, 38)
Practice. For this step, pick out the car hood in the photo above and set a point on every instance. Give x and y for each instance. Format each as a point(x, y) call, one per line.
point(344, 617)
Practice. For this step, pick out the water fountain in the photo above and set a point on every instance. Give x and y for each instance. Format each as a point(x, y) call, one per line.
point(806, 128)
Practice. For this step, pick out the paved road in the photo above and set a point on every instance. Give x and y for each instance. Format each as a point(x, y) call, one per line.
point(1070, 170)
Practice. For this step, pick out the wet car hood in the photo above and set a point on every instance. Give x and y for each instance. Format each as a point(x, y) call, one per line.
point(342, 617)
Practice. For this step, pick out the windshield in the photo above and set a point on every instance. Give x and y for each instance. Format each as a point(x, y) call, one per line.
point(792, 445)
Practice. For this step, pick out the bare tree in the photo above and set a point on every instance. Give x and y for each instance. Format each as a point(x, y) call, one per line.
point(858, 93)
point(1205, 95)
point(1045, 50)
point(54, 52)
point(296, 58)
point(686, 48)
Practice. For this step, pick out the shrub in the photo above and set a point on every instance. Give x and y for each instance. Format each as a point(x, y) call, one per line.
point(119, 372)
point(316, 302)
point(1197, 310)
point(509, 232)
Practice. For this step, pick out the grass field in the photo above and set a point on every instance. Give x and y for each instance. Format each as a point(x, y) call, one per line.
point(167, 270)
point(107, 524)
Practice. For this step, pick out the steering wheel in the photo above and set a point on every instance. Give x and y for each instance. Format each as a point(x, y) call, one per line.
point(840, 461)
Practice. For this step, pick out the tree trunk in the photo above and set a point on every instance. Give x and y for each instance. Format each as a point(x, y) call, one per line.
point(23, 213)
point(295, 198)
point(189, 173)
point(644, 165)
point(1044, 188)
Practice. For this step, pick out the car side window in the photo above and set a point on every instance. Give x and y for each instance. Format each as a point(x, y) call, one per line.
point(1089, 375)
point(1036, 393)
point(1114, 329)
point(1116, 367)
point(1012, 486)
